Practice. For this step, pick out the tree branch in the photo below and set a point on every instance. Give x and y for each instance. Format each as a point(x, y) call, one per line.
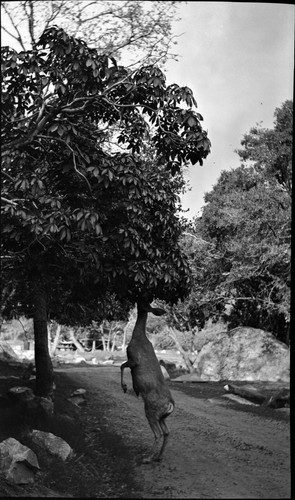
point(30, 16)
point(17, 38)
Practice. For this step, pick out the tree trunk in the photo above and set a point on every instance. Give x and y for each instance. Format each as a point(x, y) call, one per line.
point(56, 340)
point(109, 340)
point(103, 339)
point(44, 370)
point(114, 341)
point(247, 393)
point(49, 326)
point(185, 354)
point(75, 341)
point(123, 347)
point(278, 399)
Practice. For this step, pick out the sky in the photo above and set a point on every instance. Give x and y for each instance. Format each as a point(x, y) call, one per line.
point(238, 59)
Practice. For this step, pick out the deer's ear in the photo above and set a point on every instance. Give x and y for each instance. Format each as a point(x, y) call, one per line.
point(157, 311)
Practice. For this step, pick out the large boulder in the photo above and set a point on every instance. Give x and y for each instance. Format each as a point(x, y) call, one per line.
point(54, 445)
point(18, 463)
point(244, 353)
point(6, 352)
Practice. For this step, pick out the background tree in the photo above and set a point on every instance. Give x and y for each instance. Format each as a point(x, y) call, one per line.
point(270, 150)
point(81, 219)
point(127, 30)
point(240, 249)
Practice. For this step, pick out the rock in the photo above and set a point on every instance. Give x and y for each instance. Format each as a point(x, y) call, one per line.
point(28, 372)
point(18, 463)
point(78, 392)
point(7, 353)
point(21, 393)
point(78, 400)
point(78, 397)
point(244, 353)
point(78, 359)
point(46, 405)
point(53, 444)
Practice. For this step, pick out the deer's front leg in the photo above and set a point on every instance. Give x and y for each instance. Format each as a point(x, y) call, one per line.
point(127, 364)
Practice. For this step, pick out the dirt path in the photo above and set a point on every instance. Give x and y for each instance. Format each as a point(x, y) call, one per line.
point(214, 450)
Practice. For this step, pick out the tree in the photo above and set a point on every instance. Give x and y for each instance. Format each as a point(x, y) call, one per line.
point(82, 218)
point(127, 30)
point(242, 267)
point(271, 150)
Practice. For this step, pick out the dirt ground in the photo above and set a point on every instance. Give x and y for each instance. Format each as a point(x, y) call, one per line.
point(217, 447)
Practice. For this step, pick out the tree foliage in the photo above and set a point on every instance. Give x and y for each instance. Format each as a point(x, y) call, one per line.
point(66, 196)
point(127, 30)
point(92, 171)
point(240, 249)
point(271, 149)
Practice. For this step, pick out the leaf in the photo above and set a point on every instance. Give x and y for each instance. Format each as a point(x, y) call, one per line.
point(79, 216)
point(98, 229)
point(191, 122)
point(44, 81)
point(53, 127)
point(60, 130)
point(63, 233)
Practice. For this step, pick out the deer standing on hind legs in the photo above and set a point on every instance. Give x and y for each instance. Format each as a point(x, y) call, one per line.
point(148, 380)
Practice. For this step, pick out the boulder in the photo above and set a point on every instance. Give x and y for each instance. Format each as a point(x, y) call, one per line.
point(46, 406)
point(7, 353)
point(21, 393)
point(18, 463)
point(78, 392)
point(244, 353)
point(78, 397)
point(54, 445)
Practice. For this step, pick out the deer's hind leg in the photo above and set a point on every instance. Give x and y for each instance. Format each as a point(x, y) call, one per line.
point(165, 430)
point(157, 430)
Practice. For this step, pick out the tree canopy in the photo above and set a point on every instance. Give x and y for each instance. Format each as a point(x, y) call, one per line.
point(68, 195)
point(93, 156)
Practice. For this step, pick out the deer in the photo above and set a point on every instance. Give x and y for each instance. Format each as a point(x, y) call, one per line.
point(148, 380)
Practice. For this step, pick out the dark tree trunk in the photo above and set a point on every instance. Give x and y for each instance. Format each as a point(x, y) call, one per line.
point(44, 370)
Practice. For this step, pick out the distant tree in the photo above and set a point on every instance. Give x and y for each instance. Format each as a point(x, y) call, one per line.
point(250, 227)
point(240, 248)
point(271, 149)
point(92, 170)
point(126, 29)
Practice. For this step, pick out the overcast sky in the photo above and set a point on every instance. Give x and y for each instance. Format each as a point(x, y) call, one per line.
point(238, 58)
